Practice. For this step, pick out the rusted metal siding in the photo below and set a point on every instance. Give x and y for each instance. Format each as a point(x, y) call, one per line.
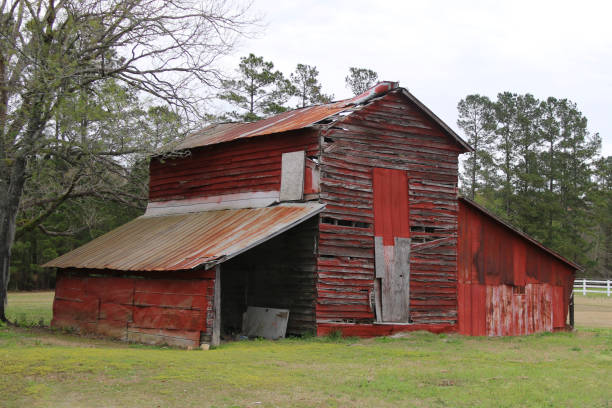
point(174, 311)
point(186, 241)
point(244, 166)
point(508, 283)
point(392, 133)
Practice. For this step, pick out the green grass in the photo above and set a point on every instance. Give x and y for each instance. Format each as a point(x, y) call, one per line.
point(30, 308)
point(42, 368)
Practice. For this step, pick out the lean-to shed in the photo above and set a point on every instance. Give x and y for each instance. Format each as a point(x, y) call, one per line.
point(345, 214)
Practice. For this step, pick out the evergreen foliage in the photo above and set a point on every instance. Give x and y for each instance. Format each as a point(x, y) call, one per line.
point(306, 86)
point(360, 80)
point(258, 91)
point(537, 166)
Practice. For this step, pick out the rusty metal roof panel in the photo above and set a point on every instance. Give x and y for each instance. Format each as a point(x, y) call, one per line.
point(291, 120)
point(283, 122)
point(185, 241)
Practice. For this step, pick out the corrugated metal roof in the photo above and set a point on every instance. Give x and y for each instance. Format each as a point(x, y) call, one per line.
point(291, 120)
point(488, 213)
point(185, 241)
point(302, 118)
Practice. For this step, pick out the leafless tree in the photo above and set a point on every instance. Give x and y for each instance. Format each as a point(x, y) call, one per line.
point(51, 50)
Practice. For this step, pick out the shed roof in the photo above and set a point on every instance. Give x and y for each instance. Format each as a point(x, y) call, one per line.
point(185, 241)
point(509, 226)
point(307, 117)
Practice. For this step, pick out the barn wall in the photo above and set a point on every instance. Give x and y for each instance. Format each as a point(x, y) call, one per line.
point(243, 166)
point(388, 133)
point(279, 273)
point(507, 285)
point(155, 309)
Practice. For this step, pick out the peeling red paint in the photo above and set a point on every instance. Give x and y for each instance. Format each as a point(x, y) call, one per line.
point(508, 284)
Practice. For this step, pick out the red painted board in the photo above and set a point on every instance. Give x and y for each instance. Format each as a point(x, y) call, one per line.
point(519, 264)
point(171, 300)
point(464, 300)
point(478, 310)
point(67, 293)
point(186, 287)
point(559, 309)
point(113, 311)
point(162, 318)
point(70, 282)
point(86, 310)
point(111, 289)
point(373, 330)
point(391, 210)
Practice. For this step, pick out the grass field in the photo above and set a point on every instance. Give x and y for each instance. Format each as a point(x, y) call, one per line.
point(42, 368)
point(27, 308)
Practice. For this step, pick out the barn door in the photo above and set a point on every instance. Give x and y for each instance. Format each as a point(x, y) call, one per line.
point(391, 245)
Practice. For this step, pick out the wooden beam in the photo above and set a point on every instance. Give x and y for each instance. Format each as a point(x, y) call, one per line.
point(216, 332)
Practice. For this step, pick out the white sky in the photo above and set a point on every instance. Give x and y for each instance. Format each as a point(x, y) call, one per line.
point(444, 50)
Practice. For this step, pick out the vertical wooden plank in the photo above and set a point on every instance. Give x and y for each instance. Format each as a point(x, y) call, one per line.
point(401, 279)
point(519, 263)
point(380, 266)
point(216, 332)
point(377, 300)
point(462, 325)
point(548, 307)
point(479, 309)
point(558, 308)
point(388, 285)
point(379, 257)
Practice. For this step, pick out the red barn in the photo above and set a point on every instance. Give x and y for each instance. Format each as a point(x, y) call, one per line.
point(346, 214)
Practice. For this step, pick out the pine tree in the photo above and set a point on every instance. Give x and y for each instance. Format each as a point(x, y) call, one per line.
point(259, 90)
point(360, 80)
point(306, 86)
point(476, 122)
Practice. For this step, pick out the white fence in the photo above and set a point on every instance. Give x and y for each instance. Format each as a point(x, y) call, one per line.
point(585, 286)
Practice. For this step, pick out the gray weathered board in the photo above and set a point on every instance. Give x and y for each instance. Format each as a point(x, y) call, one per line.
point(393, 270)
point(265, 322)
point(292, 176)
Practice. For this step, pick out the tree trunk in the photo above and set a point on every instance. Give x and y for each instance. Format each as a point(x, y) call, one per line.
point(9, 205)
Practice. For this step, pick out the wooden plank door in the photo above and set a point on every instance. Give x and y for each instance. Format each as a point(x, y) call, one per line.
point(391, 245)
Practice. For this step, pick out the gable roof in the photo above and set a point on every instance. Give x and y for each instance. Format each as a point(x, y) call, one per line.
point(308, 117)
point(515, 230)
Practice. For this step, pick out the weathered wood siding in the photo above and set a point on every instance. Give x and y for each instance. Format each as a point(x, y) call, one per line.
point(507, 284)
point(279, 273)
point(243, 166)
point(389, 133)
point(153, 309)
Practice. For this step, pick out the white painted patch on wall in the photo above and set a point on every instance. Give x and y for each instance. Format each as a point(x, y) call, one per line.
point(258, 199)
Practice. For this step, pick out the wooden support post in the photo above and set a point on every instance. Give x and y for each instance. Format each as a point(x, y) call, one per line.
point(571, 310)
point(216, 332)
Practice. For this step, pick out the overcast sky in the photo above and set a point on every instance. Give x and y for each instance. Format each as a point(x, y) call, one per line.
point(444, 50)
